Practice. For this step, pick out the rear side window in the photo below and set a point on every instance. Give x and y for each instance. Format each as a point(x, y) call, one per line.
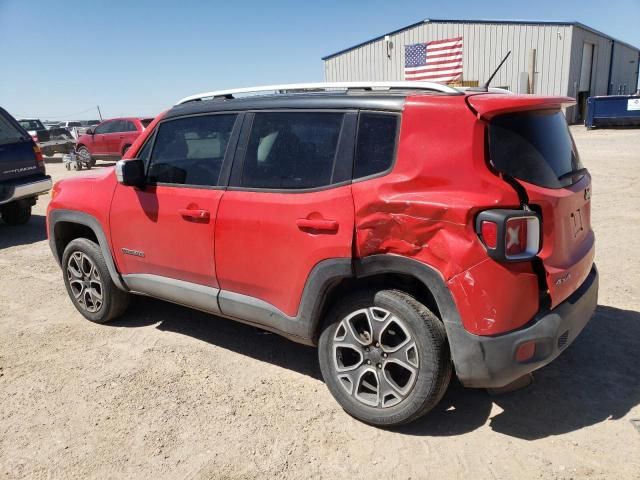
point(146, 121)
point(292, 150)
point(535, 147)
point(129, 126)
point(8, 132)
point(376, 144)
point(190, 151)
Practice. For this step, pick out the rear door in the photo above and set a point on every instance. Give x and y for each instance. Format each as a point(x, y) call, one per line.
point(535, 148)
point(288, 206)
point(17, 157)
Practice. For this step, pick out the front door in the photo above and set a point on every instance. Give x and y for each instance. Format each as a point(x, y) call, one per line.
point(100, 133)
point(165, 231)
point(288, 207)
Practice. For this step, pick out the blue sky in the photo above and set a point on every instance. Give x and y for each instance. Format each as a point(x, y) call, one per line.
point(61, 58)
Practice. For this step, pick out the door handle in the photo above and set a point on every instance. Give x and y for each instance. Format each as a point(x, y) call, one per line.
point(319, 225)
point(194, 213)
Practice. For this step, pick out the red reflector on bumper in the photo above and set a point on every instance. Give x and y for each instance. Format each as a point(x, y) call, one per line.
point(526, 351)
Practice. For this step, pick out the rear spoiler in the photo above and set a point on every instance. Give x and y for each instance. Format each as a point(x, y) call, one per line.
point(487, 106)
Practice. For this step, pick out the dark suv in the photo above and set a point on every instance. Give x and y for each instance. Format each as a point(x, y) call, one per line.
point(22, 172)
point(409, 230)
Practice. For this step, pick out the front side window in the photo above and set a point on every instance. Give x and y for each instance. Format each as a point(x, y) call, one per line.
point(103, 128)
point(375, 144)
point(190, 151)
point(291, 150)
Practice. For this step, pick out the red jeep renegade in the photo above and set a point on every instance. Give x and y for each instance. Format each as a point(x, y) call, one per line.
point(409, 230)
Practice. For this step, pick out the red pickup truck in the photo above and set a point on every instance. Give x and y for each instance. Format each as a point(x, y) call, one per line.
point(111, 139)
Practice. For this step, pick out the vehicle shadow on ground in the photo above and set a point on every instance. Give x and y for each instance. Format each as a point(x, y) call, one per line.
point(222, 332)
point(33, 231)
point(595, 380)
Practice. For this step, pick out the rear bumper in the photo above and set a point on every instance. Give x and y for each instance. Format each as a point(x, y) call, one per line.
point(18, 189)
point(490, 362)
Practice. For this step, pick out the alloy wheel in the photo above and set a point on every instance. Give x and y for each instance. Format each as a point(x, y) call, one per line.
point(375, 357)
point(85, 282)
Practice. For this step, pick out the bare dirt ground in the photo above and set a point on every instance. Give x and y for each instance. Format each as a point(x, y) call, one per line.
point(167, 392)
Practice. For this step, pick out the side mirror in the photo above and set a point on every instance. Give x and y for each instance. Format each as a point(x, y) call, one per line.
point(130, 172)
point(90, 131)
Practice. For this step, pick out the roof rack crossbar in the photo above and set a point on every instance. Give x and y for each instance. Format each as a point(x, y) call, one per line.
point(321, 86)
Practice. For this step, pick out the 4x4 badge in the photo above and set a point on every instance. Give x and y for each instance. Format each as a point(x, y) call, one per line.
point(587, 193)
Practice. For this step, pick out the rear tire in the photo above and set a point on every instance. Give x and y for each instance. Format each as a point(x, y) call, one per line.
point(89, 283)
point(16, 213)
point(385, 357)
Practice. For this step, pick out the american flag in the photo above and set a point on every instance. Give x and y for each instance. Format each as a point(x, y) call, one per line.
point(437, 61)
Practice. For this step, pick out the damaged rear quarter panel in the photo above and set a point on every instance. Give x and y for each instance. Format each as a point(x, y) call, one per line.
point(426, 207)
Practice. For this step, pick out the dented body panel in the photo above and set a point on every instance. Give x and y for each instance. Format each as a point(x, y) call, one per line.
point(425, 209)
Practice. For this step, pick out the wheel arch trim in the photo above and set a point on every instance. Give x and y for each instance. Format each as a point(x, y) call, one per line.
point(82, 218)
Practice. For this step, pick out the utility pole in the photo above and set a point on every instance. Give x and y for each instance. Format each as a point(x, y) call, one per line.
point(99, 113)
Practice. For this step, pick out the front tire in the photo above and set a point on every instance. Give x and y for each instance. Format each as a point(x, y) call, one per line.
point(16, 213)
point(89, 283)
point(85, 156)
point(385, 357)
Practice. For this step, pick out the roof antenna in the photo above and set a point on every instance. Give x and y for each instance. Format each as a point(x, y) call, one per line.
point(485, 87)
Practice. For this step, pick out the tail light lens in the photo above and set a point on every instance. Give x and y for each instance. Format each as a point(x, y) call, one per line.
point(39, 157)
point(509, 235)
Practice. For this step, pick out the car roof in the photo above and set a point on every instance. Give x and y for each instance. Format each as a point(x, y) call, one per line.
point(306, 101)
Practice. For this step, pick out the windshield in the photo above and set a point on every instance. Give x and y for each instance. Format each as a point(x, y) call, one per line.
point(31, 124)
point(535, 147)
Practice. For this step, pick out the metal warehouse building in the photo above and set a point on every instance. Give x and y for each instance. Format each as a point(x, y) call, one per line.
point(562, 58)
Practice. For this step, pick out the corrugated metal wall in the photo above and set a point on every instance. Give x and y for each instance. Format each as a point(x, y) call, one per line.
point(484, 46)
point(624, 72)
point(601, 58)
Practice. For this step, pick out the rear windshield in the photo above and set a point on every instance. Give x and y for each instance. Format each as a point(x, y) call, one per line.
point(31, 124)
point(146, 121)
point(535, 147)
point(8, 132)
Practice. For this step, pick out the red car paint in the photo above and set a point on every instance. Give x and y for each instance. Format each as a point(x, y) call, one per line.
point(264, 245)
point(104, 143)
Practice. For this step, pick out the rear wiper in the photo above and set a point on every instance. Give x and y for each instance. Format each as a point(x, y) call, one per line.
point(573, 173)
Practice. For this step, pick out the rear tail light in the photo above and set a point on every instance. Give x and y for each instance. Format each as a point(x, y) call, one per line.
point(39, 158)
point(509, 235)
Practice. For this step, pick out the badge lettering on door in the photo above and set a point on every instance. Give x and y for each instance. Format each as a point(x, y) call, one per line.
point(135, 253)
